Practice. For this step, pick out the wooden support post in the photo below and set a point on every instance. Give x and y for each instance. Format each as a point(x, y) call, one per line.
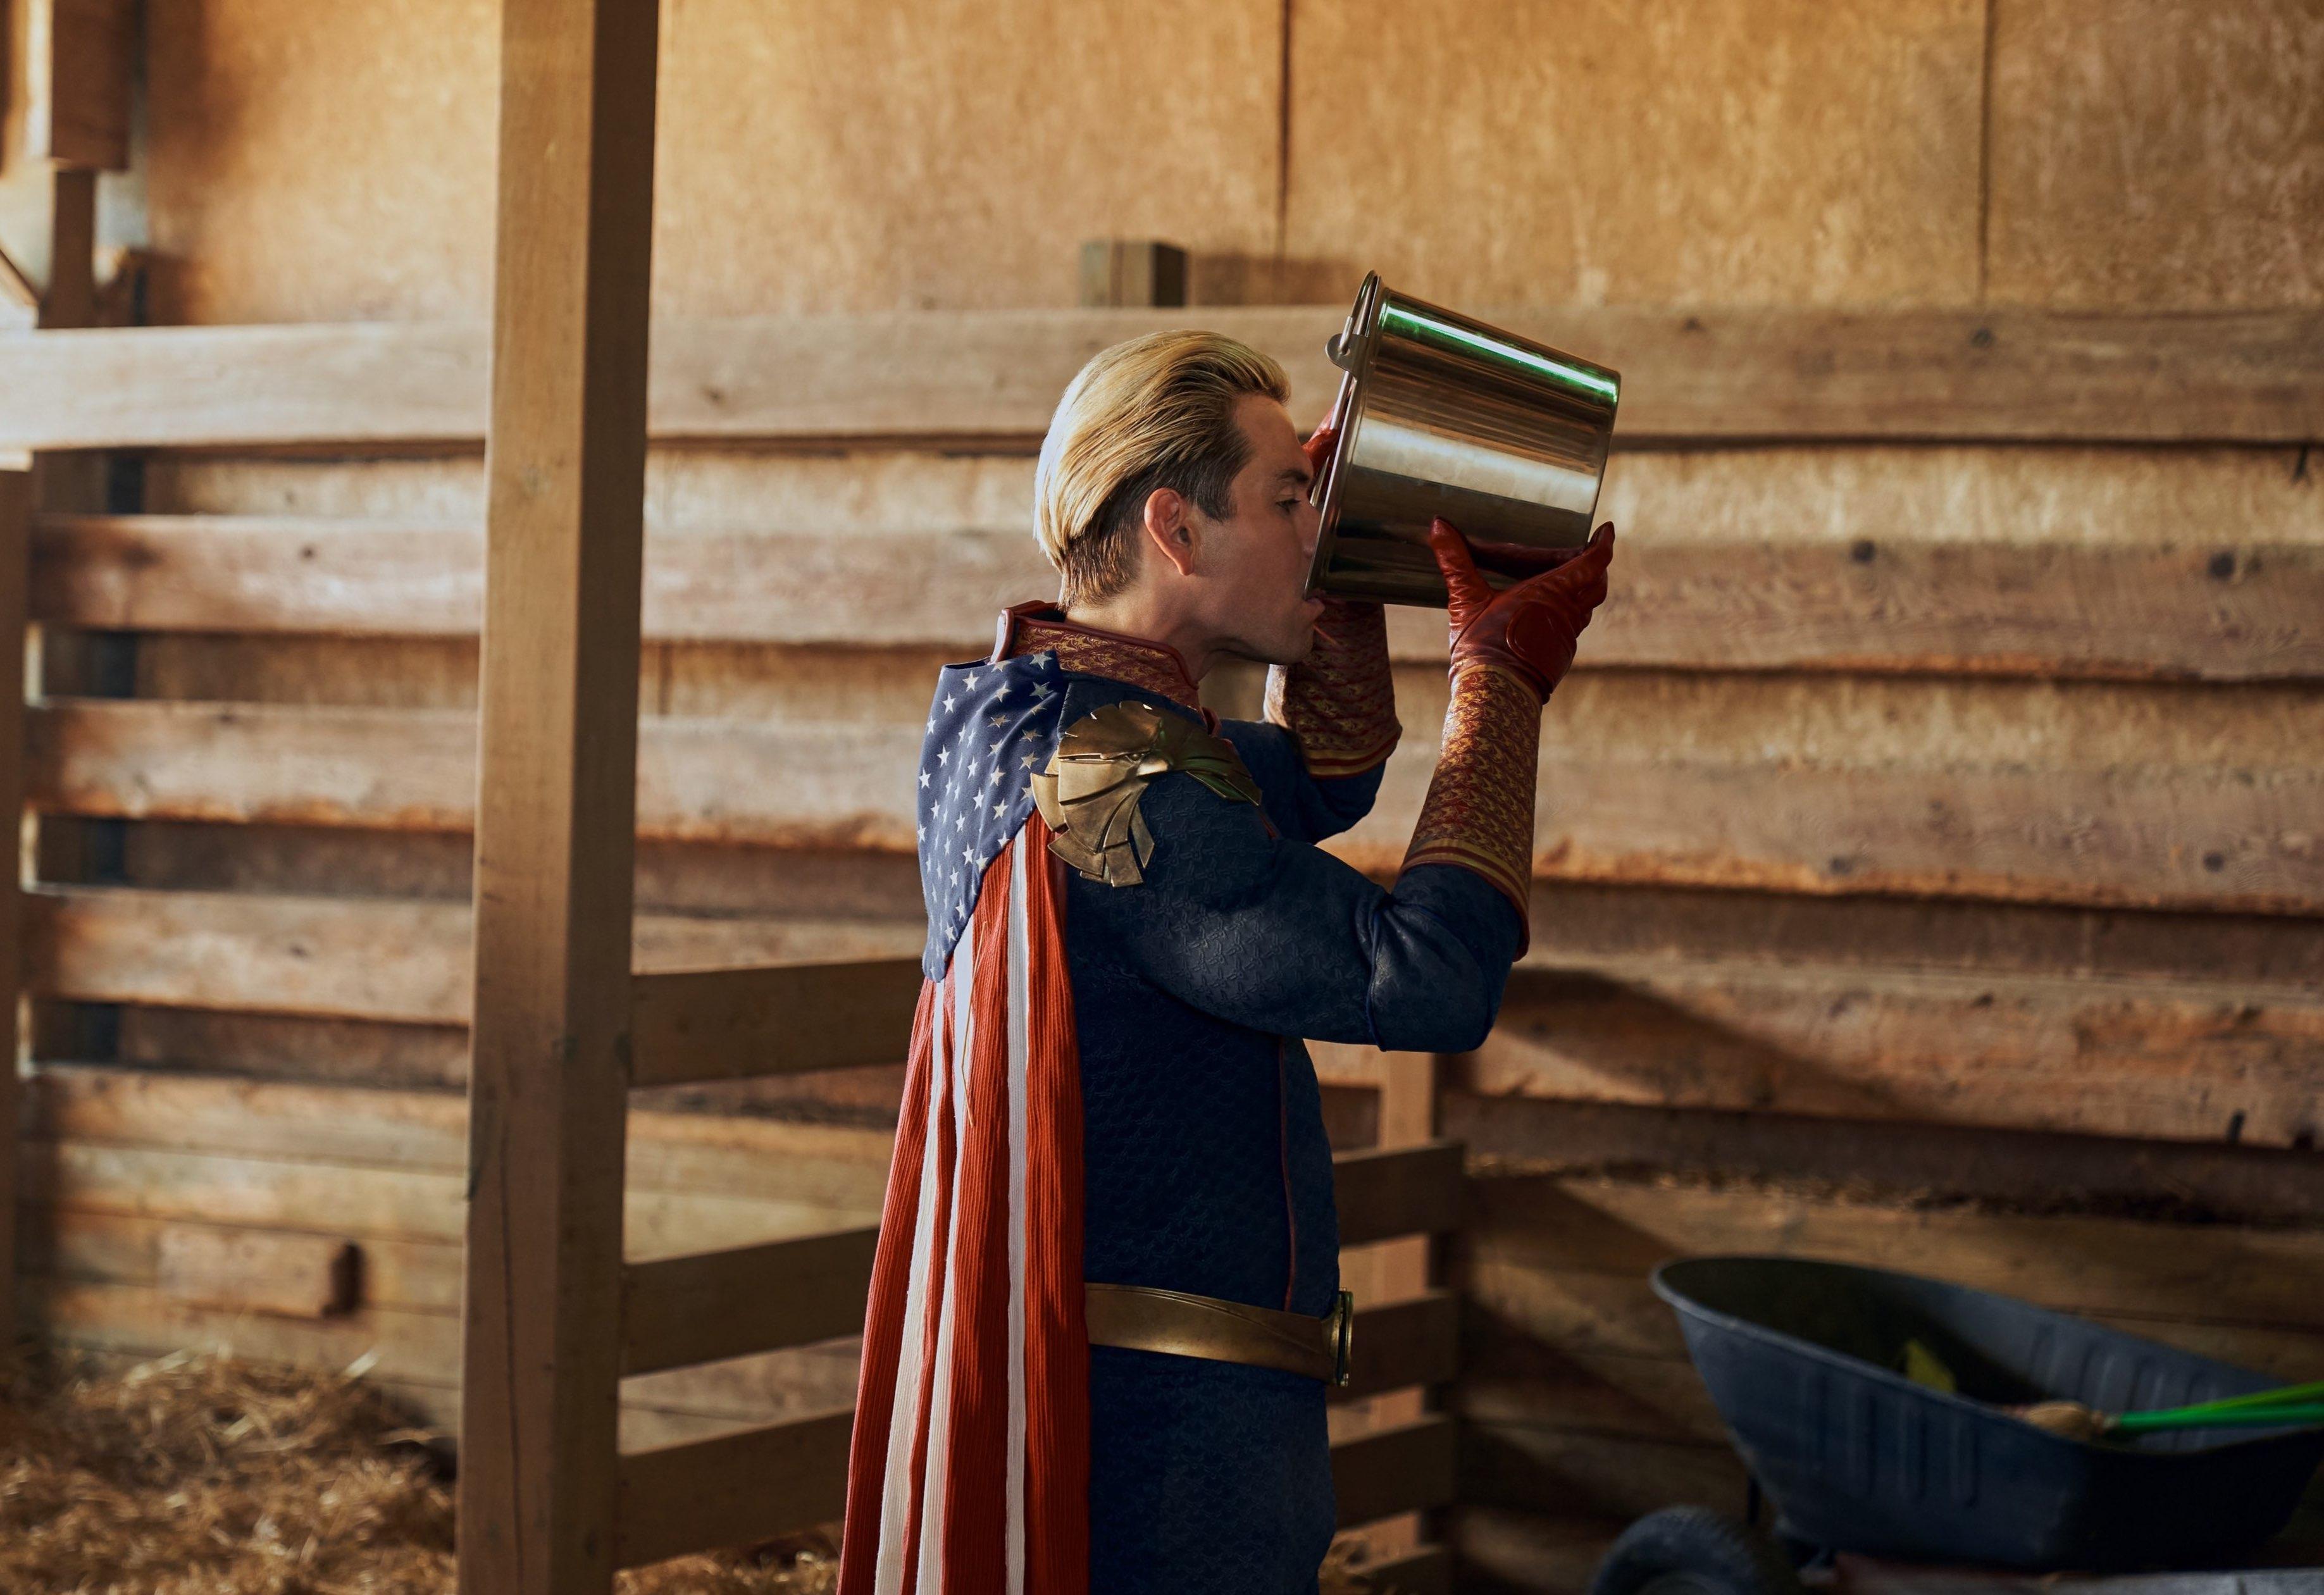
point(15, 544)
point(565, 465)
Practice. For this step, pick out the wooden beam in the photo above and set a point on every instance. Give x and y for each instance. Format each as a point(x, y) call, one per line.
point(1402, 1191)
point(257, 1270)
point(729, 1024)
point(2107, 1049)
point(1406, 1468)
point(732, 1489)
point(705, 1306)
point(1427, 1571)
point(15, 519)
point(993, 376)
point(2203, 609)
point(2118, 794)
point(764, 1482)
point(564, 469)
point(78, 80)
point(1400, 1344)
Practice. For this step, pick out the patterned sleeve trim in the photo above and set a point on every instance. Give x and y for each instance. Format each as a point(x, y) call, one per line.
point(1480, 809)
point(1340, 703)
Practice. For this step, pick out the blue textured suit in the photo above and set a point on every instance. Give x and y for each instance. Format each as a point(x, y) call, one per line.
point(1206, 1167)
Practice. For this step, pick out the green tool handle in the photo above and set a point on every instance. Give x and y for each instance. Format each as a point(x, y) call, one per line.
point(2202, 1417)
point(2281, 1395)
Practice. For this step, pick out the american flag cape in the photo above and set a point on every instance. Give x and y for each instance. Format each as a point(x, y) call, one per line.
point(968, 1473)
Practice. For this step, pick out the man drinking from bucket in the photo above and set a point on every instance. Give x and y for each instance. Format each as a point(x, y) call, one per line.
point(1106, 1306)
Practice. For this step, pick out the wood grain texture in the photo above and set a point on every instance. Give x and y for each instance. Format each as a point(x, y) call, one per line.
point(548, 1084)
point(2182, 1060)
point(291, 1275)
point(2156, 155)
point(705, 1306)
point(992, 378)
point(732, 1489)
point(689, 1026)
point(82, 66)
point(2121, 1267)
point(2157, 796)
point(2222, 606)
point(807, 161)
point(1397, 1470)
point(1667, 153)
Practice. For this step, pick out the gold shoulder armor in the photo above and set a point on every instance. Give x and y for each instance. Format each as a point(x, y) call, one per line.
point(1089, 795)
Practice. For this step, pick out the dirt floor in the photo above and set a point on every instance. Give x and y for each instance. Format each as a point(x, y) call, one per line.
point(200, 1475)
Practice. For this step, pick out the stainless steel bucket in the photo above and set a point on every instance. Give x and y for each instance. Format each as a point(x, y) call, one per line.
point(1441, 415)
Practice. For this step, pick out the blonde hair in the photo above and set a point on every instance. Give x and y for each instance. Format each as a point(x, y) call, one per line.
point(1155, 412)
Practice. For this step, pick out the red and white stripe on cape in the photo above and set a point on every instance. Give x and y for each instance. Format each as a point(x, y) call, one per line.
point(969, 1470)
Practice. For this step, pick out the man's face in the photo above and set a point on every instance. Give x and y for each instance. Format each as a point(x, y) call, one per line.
point(1254, 563)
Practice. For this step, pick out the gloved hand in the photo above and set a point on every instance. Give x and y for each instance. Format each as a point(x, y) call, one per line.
point(1345, 622)
point(1529, 630)
point(1338, 703)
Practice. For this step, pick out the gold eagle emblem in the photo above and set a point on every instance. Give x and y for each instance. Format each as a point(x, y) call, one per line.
point(1089, 795)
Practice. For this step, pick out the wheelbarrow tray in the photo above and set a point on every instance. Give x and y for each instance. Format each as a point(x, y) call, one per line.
point(1800, 1358)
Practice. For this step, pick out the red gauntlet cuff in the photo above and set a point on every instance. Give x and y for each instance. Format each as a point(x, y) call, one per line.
point(1340, 703)
point(1479, 812)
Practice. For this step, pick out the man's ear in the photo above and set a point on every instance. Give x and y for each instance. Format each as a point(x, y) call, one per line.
point(1170, 528)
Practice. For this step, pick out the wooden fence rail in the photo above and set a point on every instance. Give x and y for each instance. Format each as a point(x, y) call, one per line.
point(993, 377)
point(2213, 604)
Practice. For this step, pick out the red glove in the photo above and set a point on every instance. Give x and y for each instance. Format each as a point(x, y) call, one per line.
point(1530, 629)
point(1320, 444)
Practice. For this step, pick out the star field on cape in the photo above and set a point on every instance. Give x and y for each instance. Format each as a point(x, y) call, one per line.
point(990, 727)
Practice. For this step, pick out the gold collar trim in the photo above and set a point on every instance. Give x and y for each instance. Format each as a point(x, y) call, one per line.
point(1090, 651)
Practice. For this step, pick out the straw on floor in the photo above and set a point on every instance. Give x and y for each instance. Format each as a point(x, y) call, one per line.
point(198, 1474)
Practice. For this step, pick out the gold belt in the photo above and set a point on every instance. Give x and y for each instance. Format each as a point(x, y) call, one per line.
point(1143, 1319)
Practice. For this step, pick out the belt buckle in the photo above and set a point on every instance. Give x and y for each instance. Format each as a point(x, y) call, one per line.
point(1343, 1335)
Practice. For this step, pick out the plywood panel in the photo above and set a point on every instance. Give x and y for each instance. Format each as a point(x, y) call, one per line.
point(811, 156)
point(2157, 154)
point(322, 163)
point(1676, 153)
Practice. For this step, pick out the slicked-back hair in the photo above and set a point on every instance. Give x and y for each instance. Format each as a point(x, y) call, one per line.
point(1155, 412)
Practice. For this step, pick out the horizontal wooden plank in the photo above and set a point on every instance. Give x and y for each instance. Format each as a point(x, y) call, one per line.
point(738, 1489)
point(2145, 795)
point(688, 1026)
point(702, 1306)
point(376, 958)
point(2225, 606)
point(2041, 1170)
point(733, 1489)
point(1401, 1191)
point(2185, 1059)
point(1559, 1227)
point(1405, 1469)
point(992, 375)
point(297, 1275)
point(1399, 1344)
point(1427, 1571)
point(1576, 924)
point(2116, 1050)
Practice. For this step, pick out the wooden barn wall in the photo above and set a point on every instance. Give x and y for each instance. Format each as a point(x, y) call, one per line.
point(1992, 951)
